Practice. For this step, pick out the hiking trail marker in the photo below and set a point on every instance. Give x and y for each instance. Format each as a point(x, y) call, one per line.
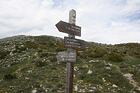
point(74, 43)
point(68, 28)
point(66, 56)
point(71, 44)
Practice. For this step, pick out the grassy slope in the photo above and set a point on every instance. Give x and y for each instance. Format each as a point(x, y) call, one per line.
point(29, 64)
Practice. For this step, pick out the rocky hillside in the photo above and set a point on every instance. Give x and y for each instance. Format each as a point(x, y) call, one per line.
point(28, 65)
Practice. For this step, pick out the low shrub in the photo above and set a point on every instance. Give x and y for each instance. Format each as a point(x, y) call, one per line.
point(115, 57)
point(96, 52)
point(99, 52)
point(9, 76)
point(31, 45)
point(39, 63)
point(19, 48)
point(3, 53)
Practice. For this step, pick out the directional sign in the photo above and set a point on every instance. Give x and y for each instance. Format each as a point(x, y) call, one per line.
point(69, 28)
point(74, 43)
point(66, 56)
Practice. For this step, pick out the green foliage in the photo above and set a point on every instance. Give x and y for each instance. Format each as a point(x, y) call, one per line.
point(46, 40)
point(31, 45)
point(137, 74)
point(95, 52)
point(44, 54)
point(60, 47)
point(3, 53)
point(131, 49)
point(39, 62)
point(34, 64)
point(52, 59)
point(19, 48)
point(115, 57)
point(103, 77)
point(99, 52)
point(9, 76)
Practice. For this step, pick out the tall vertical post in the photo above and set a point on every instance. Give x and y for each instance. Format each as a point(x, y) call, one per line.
point(70, 65)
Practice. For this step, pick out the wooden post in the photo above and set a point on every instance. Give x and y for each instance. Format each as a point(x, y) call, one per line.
point(70, 65)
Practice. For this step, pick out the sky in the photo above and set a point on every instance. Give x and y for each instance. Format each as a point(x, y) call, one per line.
point(102, 21)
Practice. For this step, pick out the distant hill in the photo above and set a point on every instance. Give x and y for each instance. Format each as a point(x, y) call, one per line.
point(28, 64)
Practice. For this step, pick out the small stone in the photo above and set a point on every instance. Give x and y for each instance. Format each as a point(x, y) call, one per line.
point(103, 79)
point(115, 86)
point(34, 91)
point(89, 72)
point(76, 88)
point(108, 68)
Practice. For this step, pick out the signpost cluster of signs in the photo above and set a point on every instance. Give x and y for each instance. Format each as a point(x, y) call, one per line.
point(71, 43)
point(68, 41)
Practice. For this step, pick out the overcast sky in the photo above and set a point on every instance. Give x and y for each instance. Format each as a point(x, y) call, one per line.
point(103, 21)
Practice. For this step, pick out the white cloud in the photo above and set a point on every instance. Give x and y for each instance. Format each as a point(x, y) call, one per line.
point(104, 21)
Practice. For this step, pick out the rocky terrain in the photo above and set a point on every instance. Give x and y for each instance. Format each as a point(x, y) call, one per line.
point(28, 65)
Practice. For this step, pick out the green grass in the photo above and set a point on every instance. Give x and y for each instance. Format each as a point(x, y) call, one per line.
point(35, 66)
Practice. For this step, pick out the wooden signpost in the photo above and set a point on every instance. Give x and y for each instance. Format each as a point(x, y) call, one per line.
point(71, 43)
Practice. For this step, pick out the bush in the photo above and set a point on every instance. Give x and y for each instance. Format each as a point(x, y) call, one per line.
point(3, 53)
point(19, 48)
point(99, 52)
point(60, 46)
point(31, 45)
point(96, 52)
point(53, 59)
point(44, 54)
point(9, 76)
point(39, 63)
point(115, 57)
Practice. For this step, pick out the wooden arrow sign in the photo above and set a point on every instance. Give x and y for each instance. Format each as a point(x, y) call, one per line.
point(74, 43)
point(68, 28)
point(66, 56)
